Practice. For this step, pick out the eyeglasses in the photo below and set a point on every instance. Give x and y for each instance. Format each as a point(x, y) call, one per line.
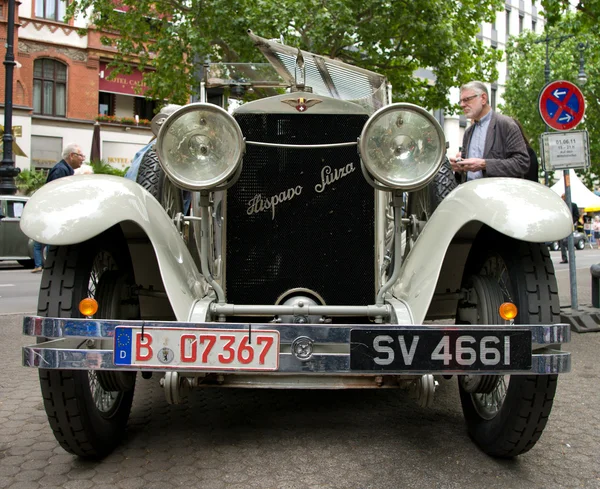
point(79, 154)
point(466, 100)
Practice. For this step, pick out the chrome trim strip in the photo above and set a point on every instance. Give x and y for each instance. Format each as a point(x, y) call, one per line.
point(541, 334)
point(373, 311)
point(302, 146)
point(43, 356)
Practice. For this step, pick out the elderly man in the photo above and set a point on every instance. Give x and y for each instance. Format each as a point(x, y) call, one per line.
point(72, 158)
point(493, 145)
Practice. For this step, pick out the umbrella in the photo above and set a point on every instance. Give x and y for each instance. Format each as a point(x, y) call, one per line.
point(95, 154)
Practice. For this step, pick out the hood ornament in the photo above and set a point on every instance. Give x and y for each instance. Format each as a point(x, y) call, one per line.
point(301, 104)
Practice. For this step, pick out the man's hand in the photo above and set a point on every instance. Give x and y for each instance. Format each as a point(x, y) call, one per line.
point(468, 164)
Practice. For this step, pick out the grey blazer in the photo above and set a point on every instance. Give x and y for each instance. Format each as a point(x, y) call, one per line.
point(505, 153)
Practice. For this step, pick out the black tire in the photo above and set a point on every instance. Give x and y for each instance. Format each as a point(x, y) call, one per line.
point(581, 244)
point(555, 246)
point(152, 177)
point(87, 420)
point(525, 273)
point(26, 263)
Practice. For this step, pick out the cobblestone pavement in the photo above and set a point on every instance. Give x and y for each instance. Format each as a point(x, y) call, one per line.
point(246, 439)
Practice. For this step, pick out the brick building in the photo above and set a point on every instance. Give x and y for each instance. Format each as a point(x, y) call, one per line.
point(60, 88)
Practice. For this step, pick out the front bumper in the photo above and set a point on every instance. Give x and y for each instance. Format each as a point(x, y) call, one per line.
point(88, 344)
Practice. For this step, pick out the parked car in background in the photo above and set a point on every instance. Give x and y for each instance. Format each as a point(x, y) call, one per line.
point(14, 245)
point(578, 242)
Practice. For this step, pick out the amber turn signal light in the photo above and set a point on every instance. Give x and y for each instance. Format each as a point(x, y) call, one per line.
point(508, 311)
point(88, 306)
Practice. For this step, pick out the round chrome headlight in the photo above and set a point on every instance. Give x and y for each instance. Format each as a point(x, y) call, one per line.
point(200, 146)
point(402, 146)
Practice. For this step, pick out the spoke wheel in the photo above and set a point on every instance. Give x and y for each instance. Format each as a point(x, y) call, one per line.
point(88, 410)
point(422, 203)
point(506, 415)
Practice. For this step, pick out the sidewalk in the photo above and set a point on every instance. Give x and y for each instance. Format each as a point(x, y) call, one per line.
point(585, 318)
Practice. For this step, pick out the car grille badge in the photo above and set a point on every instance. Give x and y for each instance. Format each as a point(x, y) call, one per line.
point(301, 104)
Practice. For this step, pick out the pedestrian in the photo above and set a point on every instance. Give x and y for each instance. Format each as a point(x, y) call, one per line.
point(596, 230)
point(72, 158)
point(493, 145)
point(564, 242)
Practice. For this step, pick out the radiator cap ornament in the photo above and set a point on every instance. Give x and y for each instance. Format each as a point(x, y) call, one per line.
point(301, 104)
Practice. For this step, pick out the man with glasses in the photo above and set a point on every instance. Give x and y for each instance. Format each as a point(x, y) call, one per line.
point(493, 145)
point(72, 158)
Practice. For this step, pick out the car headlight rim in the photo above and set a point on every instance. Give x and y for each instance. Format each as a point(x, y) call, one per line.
point(366, 140)
point(200, 141)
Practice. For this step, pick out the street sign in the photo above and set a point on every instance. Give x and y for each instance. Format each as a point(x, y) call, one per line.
point(561, 105)
point(565, 150)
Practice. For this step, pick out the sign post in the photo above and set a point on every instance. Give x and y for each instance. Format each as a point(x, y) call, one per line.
point(562, 107)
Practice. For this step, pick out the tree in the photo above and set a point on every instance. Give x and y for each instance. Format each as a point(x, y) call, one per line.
point(587, 18)
point(526, 59)
point(393, 38)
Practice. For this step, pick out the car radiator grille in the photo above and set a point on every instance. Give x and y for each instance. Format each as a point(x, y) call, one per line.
point(317, 238)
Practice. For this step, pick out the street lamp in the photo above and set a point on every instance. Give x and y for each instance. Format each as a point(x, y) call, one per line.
point(581, 77)
point(8, 171)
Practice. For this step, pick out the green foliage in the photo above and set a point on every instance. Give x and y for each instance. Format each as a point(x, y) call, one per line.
point(28, 181)
point(587, 17)
point(526, 60)
point(100, 167)
point(393, 38)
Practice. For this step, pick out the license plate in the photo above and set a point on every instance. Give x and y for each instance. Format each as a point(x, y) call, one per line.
point(423, 350)
point(197, 348)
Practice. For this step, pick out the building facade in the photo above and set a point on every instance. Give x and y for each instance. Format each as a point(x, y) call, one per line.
point(518, 15)
point(60, 88)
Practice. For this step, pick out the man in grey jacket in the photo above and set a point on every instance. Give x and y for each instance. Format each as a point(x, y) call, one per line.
point(493, 145)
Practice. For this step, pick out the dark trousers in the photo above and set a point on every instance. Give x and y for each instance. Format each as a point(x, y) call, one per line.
point(564, 249)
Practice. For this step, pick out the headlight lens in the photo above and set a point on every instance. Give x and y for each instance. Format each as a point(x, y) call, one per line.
point(402, 146)
point(200, 146)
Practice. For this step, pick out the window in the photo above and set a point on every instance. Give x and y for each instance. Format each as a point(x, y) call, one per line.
point(50, 9)
point(493, 98)
point(146, 109)
point(106, 104)
point(521, 18)
point(533, 24)
point(49, 87)
point(507, 25)
point(14, 208)
point(45, 151)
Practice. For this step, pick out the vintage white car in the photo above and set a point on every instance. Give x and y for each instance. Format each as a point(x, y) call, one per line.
point(325, 234)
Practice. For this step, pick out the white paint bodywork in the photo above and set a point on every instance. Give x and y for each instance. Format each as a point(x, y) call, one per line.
point(74, 209)
point(521, 209)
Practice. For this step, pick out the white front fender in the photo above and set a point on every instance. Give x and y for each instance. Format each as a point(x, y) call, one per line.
point(74, 209)
point(521, 209)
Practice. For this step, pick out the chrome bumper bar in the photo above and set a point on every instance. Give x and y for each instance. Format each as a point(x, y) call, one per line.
point(81, 344)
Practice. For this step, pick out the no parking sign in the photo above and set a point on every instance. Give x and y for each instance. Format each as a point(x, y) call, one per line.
point(561, 105)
